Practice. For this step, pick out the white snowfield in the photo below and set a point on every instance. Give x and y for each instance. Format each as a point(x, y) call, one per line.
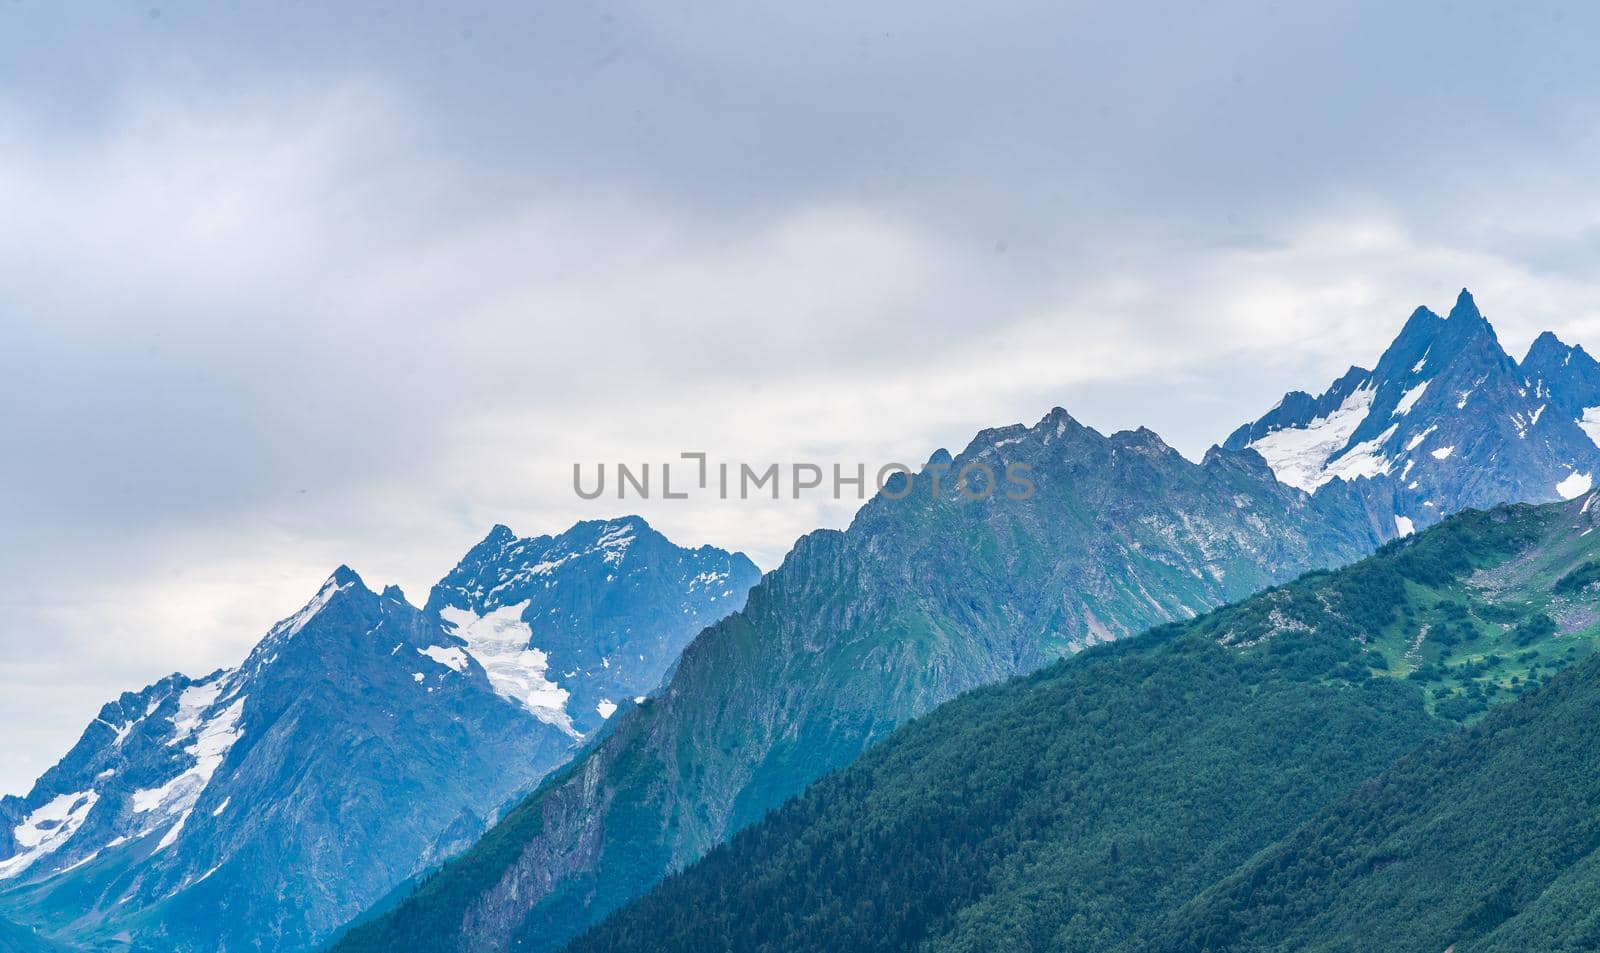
point(1416, 441)
point(1299, 455)
point(47, 828)
point(1590, 423)
point(1365, 459)
point(1409, 399)
point(205, 727)
point(1574, 486)
point(1309, 456)
point(215, 731)
point(450, 657)
point(502, 644)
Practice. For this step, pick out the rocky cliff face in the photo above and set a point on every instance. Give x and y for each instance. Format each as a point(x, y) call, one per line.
point(920, 599)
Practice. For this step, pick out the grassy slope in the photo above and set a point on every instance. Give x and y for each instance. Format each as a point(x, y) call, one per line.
point(1483, 841)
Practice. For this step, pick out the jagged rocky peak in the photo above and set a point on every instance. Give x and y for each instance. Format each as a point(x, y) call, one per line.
point(1567, 377)
point(341, 585)
point(1445, 420)
point(499, 569)
point(1142, 439)
point(919, 599)
point(362, 736)
point(1550, 356)
point(1057, 442)
point(591, 618)
point(1055, 427)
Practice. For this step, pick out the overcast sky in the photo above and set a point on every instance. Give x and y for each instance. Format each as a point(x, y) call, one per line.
point(283, 287)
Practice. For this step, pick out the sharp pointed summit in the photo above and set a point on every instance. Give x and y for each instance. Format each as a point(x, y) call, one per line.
point(345, 576)
point(1446, 420)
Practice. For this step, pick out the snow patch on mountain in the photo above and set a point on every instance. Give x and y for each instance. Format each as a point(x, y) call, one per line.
point(1590, 424)
point(615, 543)
point(1416, 441)
point(502, 643)
point(1298, 456)
point(1522, 424)
point(711, 580)
point(1574, 486)
point(1442, 452)
point(1409, 399)
point(1365, 459)
point(290, 627)
point(47, 829)
point(450, 657)
point(192, 704)
point(215, 732)
point(1403, 525)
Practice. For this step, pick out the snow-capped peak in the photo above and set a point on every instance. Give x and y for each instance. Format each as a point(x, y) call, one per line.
point(343, 579)
point(1444, 402)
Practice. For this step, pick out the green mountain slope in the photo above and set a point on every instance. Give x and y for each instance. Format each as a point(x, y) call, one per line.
point(1096, 792)
point(1076, 808)
point(1486, 841)
point(921, 599)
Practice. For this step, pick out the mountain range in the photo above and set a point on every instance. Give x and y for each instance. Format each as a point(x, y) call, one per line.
point(1205, 786)
point(923, 598)
point(361, 741)
point(567, 720)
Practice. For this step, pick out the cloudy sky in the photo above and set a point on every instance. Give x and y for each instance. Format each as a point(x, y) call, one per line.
point(283, 287)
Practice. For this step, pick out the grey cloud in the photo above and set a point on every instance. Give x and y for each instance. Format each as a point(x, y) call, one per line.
point(288, 286)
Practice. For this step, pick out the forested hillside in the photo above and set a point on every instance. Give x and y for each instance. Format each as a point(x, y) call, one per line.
point(1084, 807)
point(1485, 841)
point(1103, 791)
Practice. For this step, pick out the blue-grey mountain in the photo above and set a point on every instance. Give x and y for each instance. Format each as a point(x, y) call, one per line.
point(920, 599)
point(1445, 420)
point(926, 597)
point(362, 741)
point(1152, 789)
